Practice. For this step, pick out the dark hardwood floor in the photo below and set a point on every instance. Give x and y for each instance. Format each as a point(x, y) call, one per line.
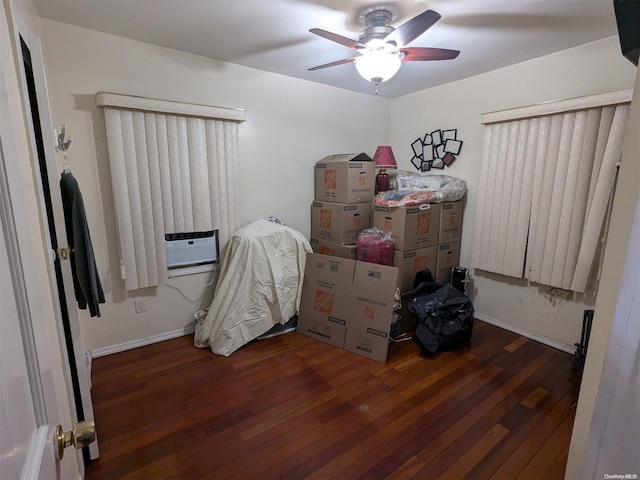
point(292, 407)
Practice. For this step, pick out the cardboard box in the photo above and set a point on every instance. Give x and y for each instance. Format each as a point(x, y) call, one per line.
point(325, 281)
point(369, 320)
point(410, 263)
point(339, 222)
point(411, 227)
point(345, 178)
point(448, 257)
point(333, 249)
point(374, 275)
point(450, 221)
point(322, 304)
point(323, 328)
point(341, 293)
point(371, 300)
point(369, 343)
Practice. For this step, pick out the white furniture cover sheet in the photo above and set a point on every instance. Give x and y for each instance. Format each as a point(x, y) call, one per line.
point(260, 285)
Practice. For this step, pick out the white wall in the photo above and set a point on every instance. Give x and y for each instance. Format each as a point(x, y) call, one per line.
point(290, 125)
point(615, 256)
point(598, 67)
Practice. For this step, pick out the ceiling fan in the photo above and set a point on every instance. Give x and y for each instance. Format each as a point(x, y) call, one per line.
point(383, 48)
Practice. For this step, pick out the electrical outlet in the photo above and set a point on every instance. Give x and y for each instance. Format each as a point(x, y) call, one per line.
point(140, 304)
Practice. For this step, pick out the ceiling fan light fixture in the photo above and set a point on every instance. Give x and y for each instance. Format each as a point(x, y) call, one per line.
point(378, 66)
point(377, 44)
point(382, 48)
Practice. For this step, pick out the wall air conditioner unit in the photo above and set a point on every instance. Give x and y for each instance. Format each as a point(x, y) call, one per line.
point(192, 248)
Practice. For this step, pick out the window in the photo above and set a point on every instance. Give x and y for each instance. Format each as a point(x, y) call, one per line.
point(173, 169)
point(546, 179)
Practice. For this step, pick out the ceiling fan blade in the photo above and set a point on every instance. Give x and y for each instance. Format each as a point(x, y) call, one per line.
point(412, 29)
point(332, 64)
point(418, 54)
point(334, 37)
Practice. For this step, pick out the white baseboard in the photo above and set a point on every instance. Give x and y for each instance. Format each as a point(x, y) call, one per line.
point(526, 333)
point(101, 352)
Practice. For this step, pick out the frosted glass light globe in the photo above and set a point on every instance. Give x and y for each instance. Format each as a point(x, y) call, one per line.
point(378, 66)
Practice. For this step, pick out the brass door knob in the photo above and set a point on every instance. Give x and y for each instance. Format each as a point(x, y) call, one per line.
point(82, 435)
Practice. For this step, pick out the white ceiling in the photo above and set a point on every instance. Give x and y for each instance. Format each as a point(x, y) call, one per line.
point(273, 35)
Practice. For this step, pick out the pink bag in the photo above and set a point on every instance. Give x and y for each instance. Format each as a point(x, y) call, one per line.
point(375, 246)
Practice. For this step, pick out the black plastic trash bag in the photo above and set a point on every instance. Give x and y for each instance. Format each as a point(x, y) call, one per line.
point(444, 315)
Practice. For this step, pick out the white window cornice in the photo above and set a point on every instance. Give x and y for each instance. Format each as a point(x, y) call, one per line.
point(114, 100)
point(559, 106)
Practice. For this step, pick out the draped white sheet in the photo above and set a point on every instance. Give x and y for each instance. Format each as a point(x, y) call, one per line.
point(545, 184)
point(260, 286)
point(173, 170)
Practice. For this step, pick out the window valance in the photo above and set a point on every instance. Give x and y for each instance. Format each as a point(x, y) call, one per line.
point(114, 100)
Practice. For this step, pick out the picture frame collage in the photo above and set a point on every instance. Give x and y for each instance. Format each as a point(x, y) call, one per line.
point(437, 149)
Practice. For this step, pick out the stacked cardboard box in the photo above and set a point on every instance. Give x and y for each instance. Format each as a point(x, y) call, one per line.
point(426, 236)
point(344, 188)
point(335, 250)
point(348, 304)
point(448, 240)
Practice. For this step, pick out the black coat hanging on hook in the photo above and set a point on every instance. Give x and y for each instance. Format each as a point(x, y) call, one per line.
point(86, 280)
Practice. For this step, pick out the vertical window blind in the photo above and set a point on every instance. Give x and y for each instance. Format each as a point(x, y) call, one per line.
point(546, 178)
point(173, 170)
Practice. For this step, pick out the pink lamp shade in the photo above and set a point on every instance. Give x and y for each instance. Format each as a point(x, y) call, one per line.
point(384, 157)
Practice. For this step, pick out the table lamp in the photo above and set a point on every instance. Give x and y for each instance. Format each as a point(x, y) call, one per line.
point(384, 159)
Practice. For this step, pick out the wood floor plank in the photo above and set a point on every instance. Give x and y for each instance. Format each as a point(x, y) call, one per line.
point(516, 462)
point(408, 469)
point(517, 343)
point(293, 407)
point(471, 457)
point(546, 457)
point(321, 399)
point(558, 467)
point(520, 421)
point(420, 384)
point(224, 457)
point(468, 417)
point(484, 424)
point(535, 396)
point(417, 428)
point(396, 420)
point(344, 417)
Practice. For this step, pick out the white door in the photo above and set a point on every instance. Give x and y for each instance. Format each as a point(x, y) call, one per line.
point(33, 386)
point(18, 422)
point(61, 278)
point(27, 417)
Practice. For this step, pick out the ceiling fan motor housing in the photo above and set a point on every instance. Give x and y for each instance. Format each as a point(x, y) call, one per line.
point(378, 26)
